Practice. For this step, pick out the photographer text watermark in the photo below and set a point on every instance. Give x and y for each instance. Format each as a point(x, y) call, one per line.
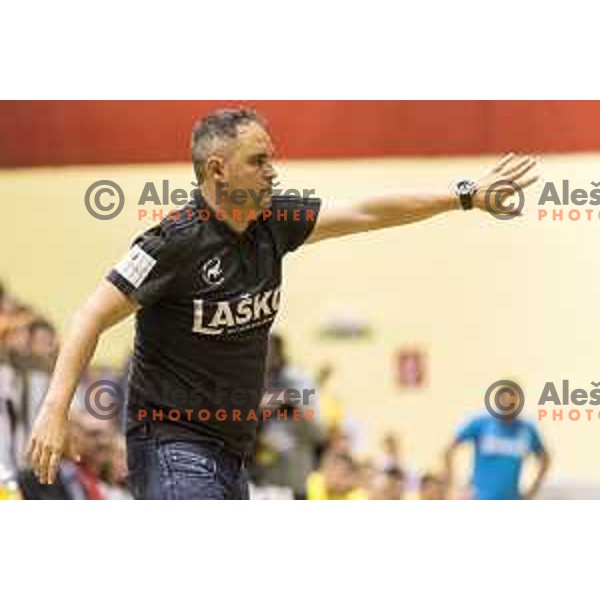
point(105, 400)
point(105, 200)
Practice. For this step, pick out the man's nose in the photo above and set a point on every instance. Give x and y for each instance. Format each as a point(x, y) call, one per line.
point(271, 174)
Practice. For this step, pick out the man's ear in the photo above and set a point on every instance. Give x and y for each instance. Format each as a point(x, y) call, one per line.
point(215, 168)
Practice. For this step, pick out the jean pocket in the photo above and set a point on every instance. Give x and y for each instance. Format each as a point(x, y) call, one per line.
point(183, 458)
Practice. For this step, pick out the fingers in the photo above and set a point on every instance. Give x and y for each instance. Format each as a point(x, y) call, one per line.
point(521, 168)
point(512, 166)
point(36, 453)
point(504, 161)
point(528, 181)
point(44, 460)
point(518, 170)
point(49, 461)
point(30, 449)
point(43, 464)
point(512, 175)
point(53, 467)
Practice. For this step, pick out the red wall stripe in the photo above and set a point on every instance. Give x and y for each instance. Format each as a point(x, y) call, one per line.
point(89, 132)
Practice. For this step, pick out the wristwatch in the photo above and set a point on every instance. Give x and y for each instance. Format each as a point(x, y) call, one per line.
point(465, 190)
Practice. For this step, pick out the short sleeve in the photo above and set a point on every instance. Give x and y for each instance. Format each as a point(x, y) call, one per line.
point(148, 271)
point(470, 431)
point(291, 221)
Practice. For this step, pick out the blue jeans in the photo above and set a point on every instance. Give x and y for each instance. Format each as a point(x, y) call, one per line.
point(183, 470)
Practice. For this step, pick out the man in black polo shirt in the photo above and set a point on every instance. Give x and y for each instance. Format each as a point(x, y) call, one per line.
point(205, 289)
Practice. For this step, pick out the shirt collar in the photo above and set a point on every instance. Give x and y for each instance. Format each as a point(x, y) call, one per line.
point(221, 226)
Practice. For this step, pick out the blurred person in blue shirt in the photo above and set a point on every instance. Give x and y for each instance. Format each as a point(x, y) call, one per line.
point(501, 447)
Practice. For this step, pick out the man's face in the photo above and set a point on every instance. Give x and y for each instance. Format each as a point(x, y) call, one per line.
point(338, 476)
point(248, 166)
point(387, 486)
point(433, 489)
point(340, 444)
point(394, 487)
point(18, 340)
point(43, 343)
point(509, 401)
point(390, 445)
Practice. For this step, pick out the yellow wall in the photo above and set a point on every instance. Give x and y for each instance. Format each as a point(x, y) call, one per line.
point(489, 299)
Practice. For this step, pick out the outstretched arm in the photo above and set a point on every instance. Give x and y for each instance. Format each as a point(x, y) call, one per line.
point(378, 213)
point(104, 308)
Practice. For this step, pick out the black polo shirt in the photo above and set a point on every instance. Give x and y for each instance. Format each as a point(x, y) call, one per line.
point(209, 297)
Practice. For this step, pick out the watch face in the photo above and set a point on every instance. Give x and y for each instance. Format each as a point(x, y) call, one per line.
point(466, 190)
point(465, 187)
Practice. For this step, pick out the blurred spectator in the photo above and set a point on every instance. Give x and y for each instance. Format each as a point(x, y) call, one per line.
point(25, 365)
point(366, 474)
point(8, 310)
point(338, 443)
point(287, 450)
point(93, 438)
point(286, 453)
point(390, 457)
point(43, 343)
point(337, 479)
point(11, 397)
point(333, 415)
point(332, 410)
point(432, 487)
point(388, 485)
point(501, 447)
point(15, 319)
point(33, 362)
point(17, 337)
point(28, 350)
point(280, 375)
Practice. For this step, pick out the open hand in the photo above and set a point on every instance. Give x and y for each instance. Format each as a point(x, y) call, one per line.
point(46, 444)
point(508, 178)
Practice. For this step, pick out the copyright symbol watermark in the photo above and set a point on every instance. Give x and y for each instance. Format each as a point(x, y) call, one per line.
point(504, 400)
point(496, 196)
point(104, 209)
point(97, 406)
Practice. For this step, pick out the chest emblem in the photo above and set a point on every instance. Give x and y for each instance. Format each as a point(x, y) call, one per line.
point(212, 272)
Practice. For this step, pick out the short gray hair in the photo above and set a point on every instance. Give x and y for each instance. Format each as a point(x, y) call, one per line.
point(217, 127)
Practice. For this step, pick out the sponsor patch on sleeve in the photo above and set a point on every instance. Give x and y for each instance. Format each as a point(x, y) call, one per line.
point(136, 266)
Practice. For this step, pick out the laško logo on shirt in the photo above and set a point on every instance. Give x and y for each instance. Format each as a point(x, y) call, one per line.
point(503, 446)
point(233, 316)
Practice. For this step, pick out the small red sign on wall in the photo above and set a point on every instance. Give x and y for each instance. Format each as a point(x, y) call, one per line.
point(411, 368)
